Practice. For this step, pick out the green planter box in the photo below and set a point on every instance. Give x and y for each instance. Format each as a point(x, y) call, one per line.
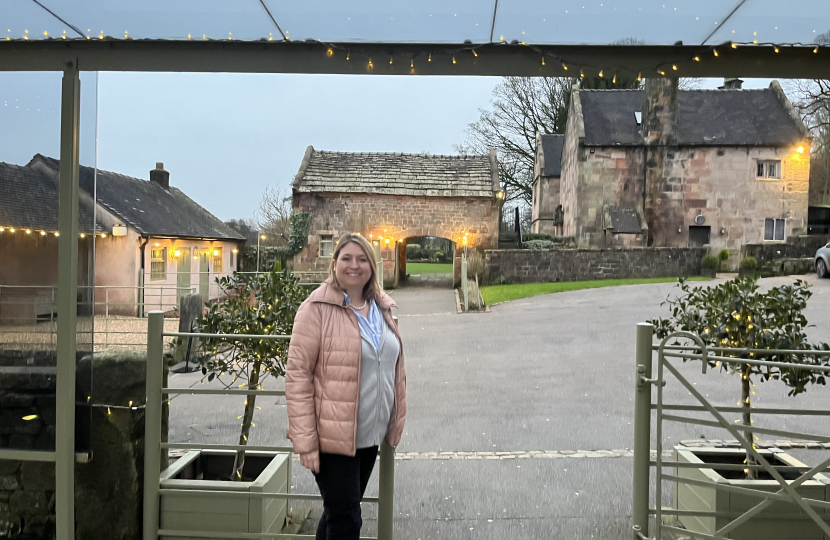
point(699, 498)
point(219, 513)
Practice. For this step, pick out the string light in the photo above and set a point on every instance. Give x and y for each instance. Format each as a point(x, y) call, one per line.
point(639, 77)
point(734, 45)
point(715, 52)
point(412, 63)
point(697, 59)
point(453, 59)
point(564, 66)
point(348, 54)
point(815, 50)
point(674, 67)
point(28, 231)
point(543, 60)
point(777, 50)
point(390, 60)
point(430, 57)
point(43, 233)
point(600, 74)
point(329, 52)
point(475, 53)
point(371, 66)
point(614, 80)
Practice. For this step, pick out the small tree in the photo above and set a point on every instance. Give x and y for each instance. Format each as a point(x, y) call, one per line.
point(264, 304)
point(723, 256)
point(738, 317)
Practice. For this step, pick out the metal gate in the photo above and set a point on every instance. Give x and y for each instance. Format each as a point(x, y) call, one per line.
point(801, 510)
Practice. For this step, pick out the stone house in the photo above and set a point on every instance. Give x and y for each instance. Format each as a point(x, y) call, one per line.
point(152, 243)
point(546, 212)
point(667, 167)
point(391, 198)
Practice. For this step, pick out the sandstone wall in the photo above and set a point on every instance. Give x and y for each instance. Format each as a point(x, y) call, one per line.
point(526, 266)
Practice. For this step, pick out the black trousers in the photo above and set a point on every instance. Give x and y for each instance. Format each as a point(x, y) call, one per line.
point(342, 481)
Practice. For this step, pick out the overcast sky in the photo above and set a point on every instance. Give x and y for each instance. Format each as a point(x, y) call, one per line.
point(225, 137)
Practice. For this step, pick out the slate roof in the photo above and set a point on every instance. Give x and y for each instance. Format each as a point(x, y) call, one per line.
point(29, 200)
point(141, 204)
point(704, 117)
point(397, 174)
point(552, 146)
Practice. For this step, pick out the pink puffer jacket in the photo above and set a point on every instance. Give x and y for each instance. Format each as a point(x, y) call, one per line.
point(322, 379)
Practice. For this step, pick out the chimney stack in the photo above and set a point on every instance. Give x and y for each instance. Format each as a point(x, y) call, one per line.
point(733, 83)
point(660, 111)
point(160, 176)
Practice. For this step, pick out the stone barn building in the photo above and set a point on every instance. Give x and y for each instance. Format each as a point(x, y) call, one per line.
point(667, 167)
point(391, 198)
point(546, 213)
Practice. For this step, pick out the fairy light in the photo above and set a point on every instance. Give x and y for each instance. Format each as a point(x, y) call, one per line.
point(776, 49)
point(564, 66)
point(412, 63)
point(371, 65)
point(674, 67)
point(543, 60)
point(815, 51)
point(715, 52)
point(734, 45)
point(614, 80)
point(453, 59)
point(28, 231)
point(429, 59)
point(474, 53)
point(600, 74)
point(390, 60)
point(43, 233)
point(639, 77)
point(329, 52)
point(348, 54)
point(697, 59)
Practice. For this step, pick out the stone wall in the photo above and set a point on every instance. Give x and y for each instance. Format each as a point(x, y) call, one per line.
point(394, 217)
point(108, 488)
point(526, 266)
point(796, 247)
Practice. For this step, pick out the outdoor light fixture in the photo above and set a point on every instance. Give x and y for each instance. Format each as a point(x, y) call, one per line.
point(723, 230)
point(83, 235)
point(215, 252)
point(387, 240)
point(11, 230)
point(679, 230)
point(103, 235)
point(177, 253)
point(235, 251)
point(262, 236)
point(800, 150)
point(28, 231)
point(57, 234)
point(157, 244)
point(500, 194)
point(43, 233)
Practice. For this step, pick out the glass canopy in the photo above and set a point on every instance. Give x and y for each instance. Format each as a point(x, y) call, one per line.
point(543, 22)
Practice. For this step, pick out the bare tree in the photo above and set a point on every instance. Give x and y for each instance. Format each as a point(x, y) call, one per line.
point(521, 106)
point(273, 215)
point(690, 83)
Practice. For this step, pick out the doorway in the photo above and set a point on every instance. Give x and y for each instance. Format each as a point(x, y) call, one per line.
point(699, 235)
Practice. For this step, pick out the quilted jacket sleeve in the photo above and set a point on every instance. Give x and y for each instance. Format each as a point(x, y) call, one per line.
point(303, 352)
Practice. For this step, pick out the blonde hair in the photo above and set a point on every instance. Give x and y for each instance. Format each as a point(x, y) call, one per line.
point(371, 291)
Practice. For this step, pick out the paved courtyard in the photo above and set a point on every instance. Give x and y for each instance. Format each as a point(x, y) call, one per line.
point(545, 383)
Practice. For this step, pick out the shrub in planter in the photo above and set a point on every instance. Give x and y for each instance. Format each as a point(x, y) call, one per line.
point(255, 305)
point(709, 261)
point(723, 256)
point(539, 236)
point(439, 256)
point(737, 315)
point(748, 266)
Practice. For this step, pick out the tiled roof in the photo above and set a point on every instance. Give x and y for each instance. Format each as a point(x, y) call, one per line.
point(704, 117)
point(552, 149)
point(29, 200)
point(142, 204)
point(397, 174)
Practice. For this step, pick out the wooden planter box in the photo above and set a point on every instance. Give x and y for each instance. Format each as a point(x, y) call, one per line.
point(698, 498)
point(218, 513)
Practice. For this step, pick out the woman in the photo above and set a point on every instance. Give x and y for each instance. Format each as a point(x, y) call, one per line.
point(345, 384)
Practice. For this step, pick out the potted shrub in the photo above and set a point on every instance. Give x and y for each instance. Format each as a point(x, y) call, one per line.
point(255, 305)
point(748, 266)
point(723, 257)
point(737, 315)
point(709, 266)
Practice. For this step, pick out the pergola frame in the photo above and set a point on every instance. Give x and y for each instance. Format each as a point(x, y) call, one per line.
point(314, 57)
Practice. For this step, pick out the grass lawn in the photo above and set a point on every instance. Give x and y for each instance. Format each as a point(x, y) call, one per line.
point(493, 294)
point(428, 268)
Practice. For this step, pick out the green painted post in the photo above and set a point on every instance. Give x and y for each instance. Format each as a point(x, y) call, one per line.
point(67, 302)
point(152, 423)
point(386, 492)
point(642, 430)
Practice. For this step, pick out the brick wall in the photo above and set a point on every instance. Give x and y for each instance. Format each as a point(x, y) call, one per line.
point(526, 266)
point(397, 216)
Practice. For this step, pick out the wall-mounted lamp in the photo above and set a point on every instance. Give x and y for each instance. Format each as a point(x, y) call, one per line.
point(500, 194)
point(215, 252)
point(177, 253)
point(723, 230)
point(679, 230)
point(800, 149)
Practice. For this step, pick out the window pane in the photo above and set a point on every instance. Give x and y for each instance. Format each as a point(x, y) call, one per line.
point(760, 173)
point(218, 255)
point(326, 243)
point(779, 229)
point(772, 169)
point(769, 229)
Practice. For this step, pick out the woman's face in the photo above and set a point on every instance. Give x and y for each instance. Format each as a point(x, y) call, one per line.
point(352, 267)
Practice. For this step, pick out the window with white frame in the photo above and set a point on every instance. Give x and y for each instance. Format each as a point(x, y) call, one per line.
point(158, 264)
point(774, 229)
point(768, 169)
point(326, 245)
point(218, 257)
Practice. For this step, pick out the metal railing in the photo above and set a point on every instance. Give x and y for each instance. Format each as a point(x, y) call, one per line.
point(155, 449)
point(643, 407)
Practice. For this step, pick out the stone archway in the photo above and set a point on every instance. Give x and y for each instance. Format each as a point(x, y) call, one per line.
point(391, 197)
point(433, 264)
